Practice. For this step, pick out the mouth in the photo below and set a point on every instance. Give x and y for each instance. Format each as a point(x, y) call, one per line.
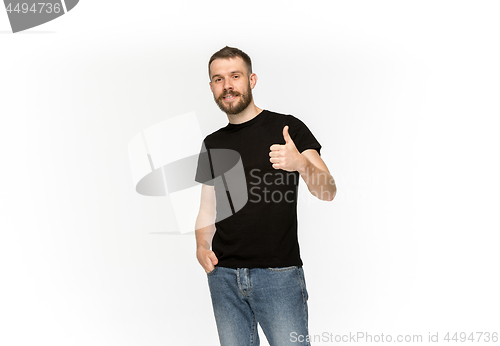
point(229, 97)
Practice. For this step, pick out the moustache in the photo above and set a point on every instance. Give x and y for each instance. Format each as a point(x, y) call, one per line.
point(228, 93)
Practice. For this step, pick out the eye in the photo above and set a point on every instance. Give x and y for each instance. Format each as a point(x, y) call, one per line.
point(235, 76)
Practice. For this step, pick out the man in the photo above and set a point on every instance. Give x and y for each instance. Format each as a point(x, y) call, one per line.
point(246, 230)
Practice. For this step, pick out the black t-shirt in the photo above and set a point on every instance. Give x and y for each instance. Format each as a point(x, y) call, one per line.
point(256, 205)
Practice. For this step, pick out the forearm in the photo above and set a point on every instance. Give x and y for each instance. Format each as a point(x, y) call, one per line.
point(204, 236)
point(205, 230)
point(319, 182)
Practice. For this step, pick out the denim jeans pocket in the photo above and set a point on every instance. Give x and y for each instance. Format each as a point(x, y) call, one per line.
point(281, 269)
point(213, 271)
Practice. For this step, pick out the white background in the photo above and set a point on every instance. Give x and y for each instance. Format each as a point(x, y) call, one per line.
point(402, 95)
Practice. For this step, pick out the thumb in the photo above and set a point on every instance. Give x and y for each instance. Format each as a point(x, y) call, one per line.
point(213, 258)
point(286, 135)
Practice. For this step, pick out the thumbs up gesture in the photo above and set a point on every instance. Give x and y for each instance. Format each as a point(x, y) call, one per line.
point(286, 156)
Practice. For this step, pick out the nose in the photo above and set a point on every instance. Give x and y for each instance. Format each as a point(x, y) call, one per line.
point(228, 84)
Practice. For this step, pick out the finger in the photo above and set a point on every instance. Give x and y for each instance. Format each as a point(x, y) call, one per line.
point(209, 265)
point(286, 135)
point(213, 258)
point(276, 147)
point(274, 153)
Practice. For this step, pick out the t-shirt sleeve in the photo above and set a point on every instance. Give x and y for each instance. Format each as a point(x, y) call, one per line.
point(204, 173)
point(302, 136)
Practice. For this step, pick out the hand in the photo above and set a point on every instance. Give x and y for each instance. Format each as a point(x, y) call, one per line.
point(207, 259)
point(286, 156)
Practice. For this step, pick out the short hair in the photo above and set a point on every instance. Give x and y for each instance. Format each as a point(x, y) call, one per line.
point(231, 52)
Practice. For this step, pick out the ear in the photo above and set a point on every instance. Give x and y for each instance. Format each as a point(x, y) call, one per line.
point(211, 88)
point(253, 80)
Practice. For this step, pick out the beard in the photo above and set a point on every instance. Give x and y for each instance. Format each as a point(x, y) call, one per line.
point(234, 107)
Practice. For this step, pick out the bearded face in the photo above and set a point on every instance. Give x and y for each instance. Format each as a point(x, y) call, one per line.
point(231, 82)
point(233, 102)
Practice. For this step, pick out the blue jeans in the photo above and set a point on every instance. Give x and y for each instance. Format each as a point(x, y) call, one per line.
point(275, 298)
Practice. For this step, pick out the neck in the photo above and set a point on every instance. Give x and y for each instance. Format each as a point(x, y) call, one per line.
point(247, 114)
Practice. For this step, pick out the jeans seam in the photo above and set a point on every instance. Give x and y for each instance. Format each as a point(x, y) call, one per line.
point(254, 325)
point(302, 283)
point(301, 286)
